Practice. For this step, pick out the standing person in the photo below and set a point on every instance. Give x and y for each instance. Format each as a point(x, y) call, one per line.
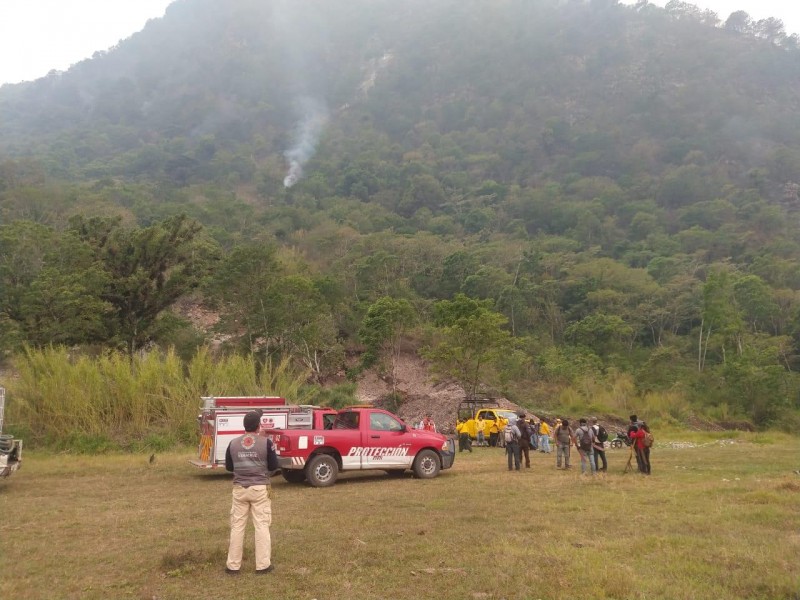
point(639, 432)
point(600, 437)
point(585, 443)
point(480, 425)
point(251, 457)
point(511, 436)
point(464, 441)
point(544, 437)
point(494, 432)
point(524, 439)
point(564, 439)
point(534, 426)
point(428, 424)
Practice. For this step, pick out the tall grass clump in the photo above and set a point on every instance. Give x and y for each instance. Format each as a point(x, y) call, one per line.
point(338, 396)
point(614, 393)
point(146, 401)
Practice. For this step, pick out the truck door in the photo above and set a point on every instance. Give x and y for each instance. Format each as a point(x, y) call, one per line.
point(387, 443)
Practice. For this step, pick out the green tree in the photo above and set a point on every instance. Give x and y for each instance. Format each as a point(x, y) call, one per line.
point(720, 316)
point(239, 285)
point(602, 333)
point(382, 329)
point(65, 308)
point(147, 270)
point(470, 338)
point(301, 324)
point(50, 288)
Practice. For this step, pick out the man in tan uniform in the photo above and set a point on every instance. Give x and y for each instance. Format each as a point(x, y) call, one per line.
point(251, 457)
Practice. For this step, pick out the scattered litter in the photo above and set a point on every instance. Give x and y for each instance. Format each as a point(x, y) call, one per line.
point(687, 445)
point(679, 445)
point(433, 571)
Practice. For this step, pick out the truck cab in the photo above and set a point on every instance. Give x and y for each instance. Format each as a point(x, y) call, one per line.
point(494, 418)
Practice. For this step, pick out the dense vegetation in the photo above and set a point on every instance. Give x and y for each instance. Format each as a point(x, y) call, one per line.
point(549, 197)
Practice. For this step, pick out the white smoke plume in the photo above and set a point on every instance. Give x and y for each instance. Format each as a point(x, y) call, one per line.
point(307, 134)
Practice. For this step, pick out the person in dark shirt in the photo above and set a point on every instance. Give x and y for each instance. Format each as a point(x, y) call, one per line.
point(251, 458)
point(564, 439)
point(524, 439)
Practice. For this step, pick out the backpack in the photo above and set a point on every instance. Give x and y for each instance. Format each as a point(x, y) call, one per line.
point(648, 439)
point(509, 434)
point(602, 434)
point(585, 443)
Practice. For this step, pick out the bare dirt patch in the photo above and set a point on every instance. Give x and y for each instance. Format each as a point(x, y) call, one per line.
point(420, 392)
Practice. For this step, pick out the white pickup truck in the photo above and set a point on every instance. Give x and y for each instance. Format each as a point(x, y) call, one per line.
point(10, 448)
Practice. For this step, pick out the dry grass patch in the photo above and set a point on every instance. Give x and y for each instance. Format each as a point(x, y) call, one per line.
point(714, 520)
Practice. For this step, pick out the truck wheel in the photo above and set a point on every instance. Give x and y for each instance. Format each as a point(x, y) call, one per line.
point(322, 470)
point(293, 475)
point(426, 465)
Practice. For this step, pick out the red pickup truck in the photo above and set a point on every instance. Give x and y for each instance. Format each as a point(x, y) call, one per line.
point(359, 439)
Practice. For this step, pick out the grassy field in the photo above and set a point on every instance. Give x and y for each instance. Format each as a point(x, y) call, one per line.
point(719, 518)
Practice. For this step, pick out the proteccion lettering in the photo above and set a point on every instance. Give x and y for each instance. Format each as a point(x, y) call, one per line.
point(381, 451)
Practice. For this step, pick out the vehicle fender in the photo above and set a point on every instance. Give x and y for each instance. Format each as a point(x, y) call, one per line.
point(327, 450)
point(446, 458)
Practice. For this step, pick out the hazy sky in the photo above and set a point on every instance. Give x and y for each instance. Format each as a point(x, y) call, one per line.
point(39, 35)
point(786, 10)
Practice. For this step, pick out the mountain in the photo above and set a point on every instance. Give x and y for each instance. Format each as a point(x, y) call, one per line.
point(552, 85)
point(619, 183)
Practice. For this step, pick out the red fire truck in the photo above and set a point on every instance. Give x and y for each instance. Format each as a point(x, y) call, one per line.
point(360, 438)
point(222, 419)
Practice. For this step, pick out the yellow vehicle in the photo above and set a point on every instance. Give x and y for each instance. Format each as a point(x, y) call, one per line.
point(494, 419)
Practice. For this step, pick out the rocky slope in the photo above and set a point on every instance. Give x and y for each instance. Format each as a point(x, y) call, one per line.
point(420, 393)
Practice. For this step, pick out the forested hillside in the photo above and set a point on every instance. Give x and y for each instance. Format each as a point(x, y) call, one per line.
point(562, 202)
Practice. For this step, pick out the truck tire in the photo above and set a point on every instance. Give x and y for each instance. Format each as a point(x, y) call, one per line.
point(426, 465)
point(322, 470)
point(293, 475)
